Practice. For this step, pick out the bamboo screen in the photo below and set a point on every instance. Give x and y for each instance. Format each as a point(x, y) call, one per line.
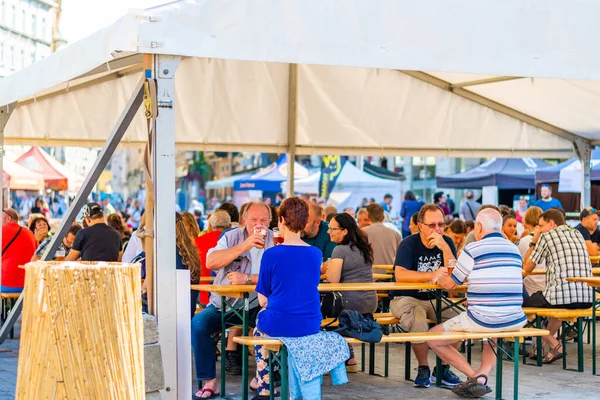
point(82, 332)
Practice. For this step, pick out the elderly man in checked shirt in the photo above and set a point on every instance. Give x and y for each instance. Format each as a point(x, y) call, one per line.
point(492, 268)
point(566, 256)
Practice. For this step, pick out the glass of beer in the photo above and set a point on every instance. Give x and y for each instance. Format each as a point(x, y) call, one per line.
point(60, 255)
point(451, 265)
point(277, 237)
point(261, 230)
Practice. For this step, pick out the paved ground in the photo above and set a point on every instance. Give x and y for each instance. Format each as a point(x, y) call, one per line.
point(549, 382)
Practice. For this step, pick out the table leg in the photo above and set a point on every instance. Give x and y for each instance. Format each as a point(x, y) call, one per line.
point(579, 345)
point(245, 317)
point(223, 345)
point(594, 334)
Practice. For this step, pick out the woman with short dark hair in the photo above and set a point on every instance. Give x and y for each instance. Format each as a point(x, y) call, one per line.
point(40, 228)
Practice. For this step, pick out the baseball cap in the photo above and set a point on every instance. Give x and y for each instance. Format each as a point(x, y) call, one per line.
point(586, 212)
point(91, 210)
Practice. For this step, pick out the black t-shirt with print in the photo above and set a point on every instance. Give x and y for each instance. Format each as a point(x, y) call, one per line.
point(414, 256)
point(98, 242)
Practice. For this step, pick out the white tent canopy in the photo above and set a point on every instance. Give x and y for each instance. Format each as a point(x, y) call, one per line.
point(366, 97)
point(352, 186)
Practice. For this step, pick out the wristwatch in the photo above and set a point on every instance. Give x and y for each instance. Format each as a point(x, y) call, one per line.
point(532, 244)
point(249, 280)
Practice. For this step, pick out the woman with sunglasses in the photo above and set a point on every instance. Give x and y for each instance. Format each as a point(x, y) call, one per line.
point(351, 261)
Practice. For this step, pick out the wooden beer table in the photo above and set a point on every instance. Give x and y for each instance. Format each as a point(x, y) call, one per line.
point(230, 293)
point(594, 282)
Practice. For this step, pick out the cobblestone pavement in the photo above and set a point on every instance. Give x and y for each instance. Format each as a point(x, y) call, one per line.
point(549, 382)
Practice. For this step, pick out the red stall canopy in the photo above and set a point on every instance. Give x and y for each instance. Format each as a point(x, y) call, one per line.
point(56, 176)
point(16, 177)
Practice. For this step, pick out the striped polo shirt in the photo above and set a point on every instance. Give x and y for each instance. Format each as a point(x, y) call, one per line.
point(492, 269)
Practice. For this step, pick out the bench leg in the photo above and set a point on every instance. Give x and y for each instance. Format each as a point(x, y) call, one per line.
point(386, 360)
point(516, 367)
point(362, 357)
point(563, 338)
point(285, 389)
point(407, 355)
point(271, 380)
point(579, 344)
point(371, 358)
point(540, 346)
point(499, 357)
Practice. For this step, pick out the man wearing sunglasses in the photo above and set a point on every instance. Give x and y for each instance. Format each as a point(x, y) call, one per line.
point(588, 227)
point(422, 258)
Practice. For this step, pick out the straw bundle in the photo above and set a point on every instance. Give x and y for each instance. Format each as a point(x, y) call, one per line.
point(82, 332)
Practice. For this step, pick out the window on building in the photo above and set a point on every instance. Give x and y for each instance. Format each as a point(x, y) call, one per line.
point(13, 16)
point(22, 58)
point(24, 20)
point(3, 12)
point(1, 54)
point(34, 25)
point(43, 33)
point(12, 57)
point(33, 56)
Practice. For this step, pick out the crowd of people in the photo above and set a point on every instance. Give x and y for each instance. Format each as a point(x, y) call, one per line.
point(238, 247)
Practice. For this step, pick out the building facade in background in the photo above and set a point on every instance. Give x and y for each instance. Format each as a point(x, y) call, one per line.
point(25, 33)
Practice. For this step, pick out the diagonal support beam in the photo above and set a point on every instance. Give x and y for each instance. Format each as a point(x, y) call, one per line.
point(92, 177)
point(501, 108)
point(478, 82)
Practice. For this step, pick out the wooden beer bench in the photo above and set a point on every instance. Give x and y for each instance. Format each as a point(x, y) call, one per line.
point(275, 345)
point(575, 316)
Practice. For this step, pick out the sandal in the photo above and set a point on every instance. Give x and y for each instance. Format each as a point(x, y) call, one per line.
point(471, 388)
point(553, 355)
point(212, 394)
point(533, 354)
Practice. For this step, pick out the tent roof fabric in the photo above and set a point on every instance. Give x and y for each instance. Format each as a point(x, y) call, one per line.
point(506, 173)
point(382, 172)
point(394, 86)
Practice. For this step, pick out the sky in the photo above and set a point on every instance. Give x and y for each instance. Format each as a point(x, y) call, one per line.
point(81, 18)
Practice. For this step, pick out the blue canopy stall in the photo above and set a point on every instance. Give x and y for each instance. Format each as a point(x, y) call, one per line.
point(267, 182)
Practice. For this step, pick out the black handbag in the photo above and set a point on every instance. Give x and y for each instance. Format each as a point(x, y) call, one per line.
point(332, 304)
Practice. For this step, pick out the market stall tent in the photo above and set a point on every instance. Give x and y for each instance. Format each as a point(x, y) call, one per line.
point(352, 185)
point(56, 176)
point(17, 177)
point(504, 173)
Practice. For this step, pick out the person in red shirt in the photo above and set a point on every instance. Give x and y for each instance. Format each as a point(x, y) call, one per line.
point(218, 222)
point(18, 246)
